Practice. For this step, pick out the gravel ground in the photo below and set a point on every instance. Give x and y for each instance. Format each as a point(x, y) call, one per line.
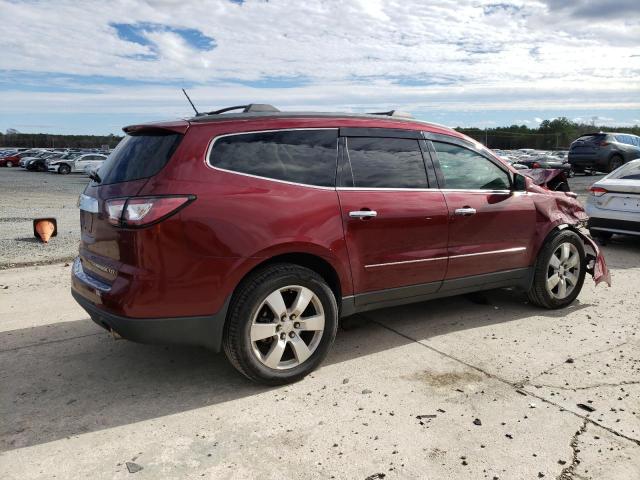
point(27, 195)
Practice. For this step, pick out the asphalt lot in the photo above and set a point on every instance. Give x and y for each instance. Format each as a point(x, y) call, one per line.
point(482, 386)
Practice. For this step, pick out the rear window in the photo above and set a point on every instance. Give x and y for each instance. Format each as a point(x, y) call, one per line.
point(631, 171)
point(139, 156)
point(299, 156)
point(591, 138)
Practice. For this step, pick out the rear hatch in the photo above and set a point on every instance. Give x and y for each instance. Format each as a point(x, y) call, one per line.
point(106, 249)
point(588, 144)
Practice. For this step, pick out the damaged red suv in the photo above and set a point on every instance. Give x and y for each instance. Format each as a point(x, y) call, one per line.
point(255, 232)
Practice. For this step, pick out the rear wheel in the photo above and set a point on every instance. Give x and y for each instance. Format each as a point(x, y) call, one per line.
point(9, 164)
point(616, 162)
point(559, 271)
point(281, 324)
point(64, 169)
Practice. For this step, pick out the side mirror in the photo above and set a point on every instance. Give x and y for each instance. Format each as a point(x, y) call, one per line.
point(519, 183)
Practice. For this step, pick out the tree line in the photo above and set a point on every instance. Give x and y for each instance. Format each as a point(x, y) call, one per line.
point(550, 135)
point(46, 140)
point(556, 134)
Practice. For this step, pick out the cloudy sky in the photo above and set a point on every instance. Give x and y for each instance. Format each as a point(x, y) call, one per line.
point(92, 67)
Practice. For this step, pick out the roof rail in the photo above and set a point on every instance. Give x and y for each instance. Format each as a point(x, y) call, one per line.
point(393, 113)
point(250, 108)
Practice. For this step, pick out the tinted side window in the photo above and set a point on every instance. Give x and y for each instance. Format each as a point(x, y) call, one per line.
point(300, 156)
point(386, 163)
point(465, 169)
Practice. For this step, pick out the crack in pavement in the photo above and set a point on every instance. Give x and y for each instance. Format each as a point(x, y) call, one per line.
point(574, 389)
point(551, 369)
point(518, 386)
point(49, 342)
point(568, 471)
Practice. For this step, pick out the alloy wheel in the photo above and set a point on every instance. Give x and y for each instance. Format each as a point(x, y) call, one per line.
point(287, 327)
point(563, 271)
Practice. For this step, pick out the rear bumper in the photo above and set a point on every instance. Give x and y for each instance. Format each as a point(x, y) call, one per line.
point(197, 331)
point(205, 331)
point(625, 227)
point(586, 161)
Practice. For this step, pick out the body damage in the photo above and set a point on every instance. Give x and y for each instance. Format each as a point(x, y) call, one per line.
point(563, 210)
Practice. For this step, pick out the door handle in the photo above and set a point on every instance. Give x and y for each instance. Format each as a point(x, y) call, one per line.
point(362, 214)
point(465, 211)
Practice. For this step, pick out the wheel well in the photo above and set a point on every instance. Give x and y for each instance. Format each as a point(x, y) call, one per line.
point(312, 262)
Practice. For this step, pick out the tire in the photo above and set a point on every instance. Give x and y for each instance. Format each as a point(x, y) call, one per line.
point(64, 169)
point(571, 173)
point(273, 356)
point(558, 267)
point(615, 162)
point(9, 164)
point(601, 235)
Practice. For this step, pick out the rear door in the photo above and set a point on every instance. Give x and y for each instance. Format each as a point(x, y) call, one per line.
point(395, 223)
point(81, 162)
point(491, 228)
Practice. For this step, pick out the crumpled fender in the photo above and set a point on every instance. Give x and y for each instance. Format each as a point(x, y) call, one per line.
point(563, 210)
point(596, 264)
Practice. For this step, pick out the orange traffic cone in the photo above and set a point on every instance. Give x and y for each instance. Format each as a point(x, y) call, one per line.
point(45, 228)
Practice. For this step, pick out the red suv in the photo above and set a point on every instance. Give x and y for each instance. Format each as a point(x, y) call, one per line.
point(254, 232)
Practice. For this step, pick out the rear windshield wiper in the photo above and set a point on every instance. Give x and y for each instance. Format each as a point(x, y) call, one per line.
point(93, 175)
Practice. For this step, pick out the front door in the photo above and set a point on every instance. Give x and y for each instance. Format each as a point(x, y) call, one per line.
point(395, 225)
point(491, 228)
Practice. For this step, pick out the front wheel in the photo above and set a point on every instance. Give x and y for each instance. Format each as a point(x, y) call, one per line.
point(64, 169)
point(559, 271)
point(9, 164)
point(281, 323)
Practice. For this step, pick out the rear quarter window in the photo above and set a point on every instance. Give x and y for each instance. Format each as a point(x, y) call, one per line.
point(299, 156)
point(139, 156)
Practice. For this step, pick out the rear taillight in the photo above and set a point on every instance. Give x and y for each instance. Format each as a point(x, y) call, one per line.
point(597, 191)
point(604, 144)
point(143, 211)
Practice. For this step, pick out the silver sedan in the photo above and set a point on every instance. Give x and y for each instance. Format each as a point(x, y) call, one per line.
point(613, 205)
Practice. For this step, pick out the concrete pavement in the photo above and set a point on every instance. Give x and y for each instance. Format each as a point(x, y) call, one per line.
point(468, 387)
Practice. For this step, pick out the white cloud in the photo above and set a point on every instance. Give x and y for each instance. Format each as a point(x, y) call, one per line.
point(468, 54)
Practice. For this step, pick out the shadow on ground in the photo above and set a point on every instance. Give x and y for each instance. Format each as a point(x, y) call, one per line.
point(71, 378)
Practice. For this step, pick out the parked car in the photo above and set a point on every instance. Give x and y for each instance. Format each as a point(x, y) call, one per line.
point(41, 164)
point(13, 160)
point(613, 205)
point(548, 162)
point(24, 160)
point(603, 152)
point(76, 164)
point(254, 232)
